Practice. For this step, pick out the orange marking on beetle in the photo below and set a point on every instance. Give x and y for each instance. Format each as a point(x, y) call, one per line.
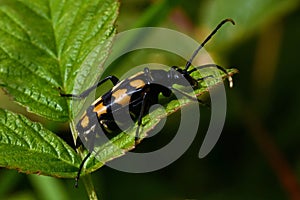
point(85, 121)
point(121, 97)
point(138, 83)
point(100, 109)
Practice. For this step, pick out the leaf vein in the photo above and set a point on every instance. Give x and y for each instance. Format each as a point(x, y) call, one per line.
point(34, 72)
point(26, 31)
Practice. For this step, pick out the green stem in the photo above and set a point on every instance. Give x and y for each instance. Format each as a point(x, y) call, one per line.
point(88, 184)
point(87, 180)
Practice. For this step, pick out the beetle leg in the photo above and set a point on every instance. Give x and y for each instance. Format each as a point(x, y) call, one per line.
point(205, 77)
point(85, 93)
point(185, 94)
point(191, 97)
point(80, 169)
point(142, 112)
point(218, 67)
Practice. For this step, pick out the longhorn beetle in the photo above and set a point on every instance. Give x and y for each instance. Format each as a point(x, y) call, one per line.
point(139, 92)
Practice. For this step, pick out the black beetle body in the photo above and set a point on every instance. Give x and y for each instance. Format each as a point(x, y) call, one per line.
point(135, 94)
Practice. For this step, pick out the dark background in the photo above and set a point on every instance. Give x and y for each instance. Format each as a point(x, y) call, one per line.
point(257, 155)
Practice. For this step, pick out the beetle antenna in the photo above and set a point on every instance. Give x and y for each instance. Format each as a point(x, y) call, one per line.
point(188, 64)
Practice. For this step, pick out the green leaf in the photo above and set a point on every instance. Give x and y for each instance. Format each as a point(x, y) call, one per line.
point(46, 45)
point(124, 142)
point(29, 147)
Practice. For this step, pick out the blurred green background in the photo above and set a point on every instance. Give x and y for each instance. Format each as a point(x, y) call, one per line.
point(257, 155)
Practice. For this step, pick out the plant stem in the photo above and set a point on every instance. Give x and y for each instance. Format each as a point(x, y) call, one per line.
point(88, 184)
point(87, 180)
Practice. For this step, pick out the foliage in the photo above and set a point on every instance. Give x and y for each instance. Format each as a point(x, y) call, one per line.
point(46, 44)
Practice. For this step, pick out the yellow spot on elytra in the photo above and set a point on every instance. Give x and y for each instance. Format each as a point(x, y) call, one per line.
point(138, 83)
point(100, 109)
point(85, 121)
point(121, 97)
